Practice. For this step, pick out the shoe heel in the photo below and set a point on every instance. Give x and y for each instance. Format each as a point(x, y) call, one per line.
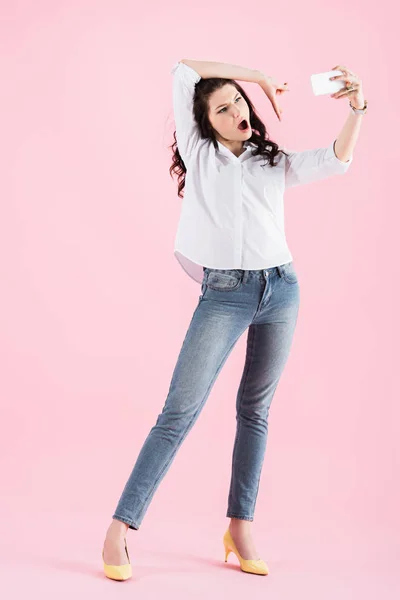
point(227, 552)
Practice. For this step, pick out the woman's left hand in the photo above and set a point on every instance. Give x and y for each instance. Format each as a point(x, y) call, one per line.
point(353, 86)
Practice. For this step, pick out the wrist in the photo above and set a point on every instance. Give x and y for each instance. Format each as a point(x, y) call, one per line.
point(358, 102)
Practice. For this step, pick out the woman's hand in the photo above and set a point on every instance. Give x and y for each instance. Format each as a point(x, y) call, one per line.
point(273, 89)
point(353, 87)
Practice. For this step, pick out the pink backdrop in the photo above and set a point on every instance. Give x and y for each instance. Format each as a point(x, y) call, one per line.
point(94, 306)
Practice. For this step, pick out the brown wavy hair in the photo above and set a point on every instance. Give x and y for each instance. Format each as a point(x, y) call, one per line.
point(203, 90)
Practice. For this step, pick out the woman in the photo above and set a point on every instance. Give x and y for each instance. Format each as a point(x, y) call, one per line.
point(231, 240)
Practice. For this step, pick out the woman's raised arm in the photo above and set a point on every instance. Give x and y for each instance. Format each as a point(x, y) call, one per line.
point(270, 86)
point(207, 69)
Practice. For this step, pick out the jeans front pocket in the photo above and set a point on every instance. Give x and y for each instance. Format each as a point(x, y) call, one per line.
point(224, 280)
point(289, 273)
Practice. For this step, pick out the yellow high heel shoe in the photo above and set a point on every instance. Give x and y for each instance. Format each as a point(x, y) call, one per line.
point(118, 572)
point(258, 566)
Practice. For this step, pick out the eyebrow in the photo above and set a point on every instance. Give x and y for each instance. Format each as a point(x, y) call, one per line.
point(237, 94)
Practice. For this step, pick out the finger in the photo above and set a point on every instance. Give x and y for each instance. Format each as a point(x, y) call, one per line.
point(277, 110)
point(345, 70)
point(344, 75)
point(343, 78)
point(355, 86)
point(345, 95)
point(282, 88)
point(345, 92)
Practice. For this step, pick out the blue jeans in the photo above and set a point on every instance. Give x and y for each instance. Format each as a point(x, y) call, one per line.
point(266, 302)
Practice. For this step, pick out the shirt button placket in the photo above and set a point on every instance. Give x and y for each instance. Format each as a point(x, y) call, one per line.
point(239, 214)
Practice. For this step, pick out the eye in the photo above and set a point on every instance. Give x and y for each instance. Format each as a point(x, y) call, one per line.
point(238, 98)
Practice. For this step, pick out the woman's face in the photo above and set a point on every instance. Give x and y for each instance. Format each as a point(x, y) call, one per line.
point(226, 108)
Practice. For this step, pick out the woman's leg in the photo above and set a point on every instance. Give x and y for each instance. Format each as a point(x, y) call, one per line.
point(268, 346)
point(216, 325)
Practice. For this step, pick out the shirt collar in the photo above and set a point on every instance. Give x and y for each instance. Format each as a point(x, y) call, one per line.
point(247, 146)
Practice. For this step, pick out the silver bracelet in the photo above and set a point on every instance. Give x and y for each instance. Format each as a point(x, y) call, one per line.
point(359, 111)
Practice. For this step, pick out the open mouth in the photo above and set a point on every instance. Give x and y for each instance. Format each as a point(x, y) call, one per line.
point(243, 125)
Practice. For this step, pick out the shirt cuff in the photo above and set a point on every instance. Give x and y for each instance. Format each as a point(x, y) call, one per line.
point(332, 156)
point(187, 72)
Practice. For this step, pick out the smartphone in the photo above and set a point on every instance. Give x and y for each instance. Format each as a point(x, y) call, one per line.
point(321, 85)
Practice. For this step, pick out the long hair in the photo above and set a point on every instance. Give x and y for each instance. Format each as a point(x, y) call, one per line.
point(203, 90)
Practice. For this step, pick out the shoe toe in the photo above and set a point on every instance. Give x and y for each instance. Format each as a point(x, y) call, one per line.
point(119, 573)
point(258, 567)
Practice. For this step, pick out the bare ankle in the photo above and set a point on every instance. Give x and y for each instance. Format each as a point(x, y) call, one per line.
point(242, 524)
point(118, 528)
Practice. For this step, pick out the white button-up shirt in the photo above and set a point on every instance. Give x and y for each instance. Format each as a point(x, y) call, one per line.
point(232, 213)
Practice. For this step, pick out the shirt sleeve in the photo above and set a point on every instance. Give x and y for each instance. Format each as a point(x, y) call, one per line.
point(307, 166)
point(187, 132)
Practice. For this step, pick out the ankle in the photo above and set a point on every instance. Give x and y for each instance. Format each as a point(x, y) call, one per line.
point(242, 525)
point(118, 529)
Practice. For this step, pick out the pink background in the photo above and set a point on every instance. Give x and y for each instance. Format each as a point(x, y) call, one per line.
point(94, 306)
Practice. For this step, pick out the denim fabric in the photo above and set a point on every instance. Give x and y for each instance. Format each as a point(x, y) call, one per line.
point(265, 302)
